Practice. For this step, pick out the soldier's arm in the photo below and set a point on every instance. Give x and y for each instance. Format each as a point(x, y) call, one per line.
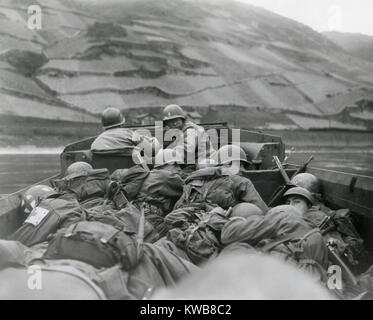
point(314, 258)
point(250, 230)
point(246, 192)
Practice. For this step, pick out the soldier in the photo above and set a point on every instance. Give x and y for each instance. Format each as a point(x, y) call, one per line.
point(115, 137)
point(33, 196)
point(338, 227)
point(340, 222)
point(221, 186)
point(284, 232)
point(52, 213)
point(309, 182)
point(196, 232)
point(301, 199)
point(233, 158)
point(80, 186)
point(192, 142)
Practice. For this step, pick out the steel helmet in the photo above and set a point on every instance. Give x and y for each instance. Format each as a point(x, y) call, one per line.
point(302, 192)
point(173, 111)
point(33, 196)
point(307, 181)
point(246, 210)
point(111, 118)
point(167, 156)
point(79, 167)
point(230, 153)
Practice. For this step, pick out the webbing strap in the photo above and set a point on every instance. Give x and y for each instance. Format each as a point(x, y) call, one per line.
point(287, 238)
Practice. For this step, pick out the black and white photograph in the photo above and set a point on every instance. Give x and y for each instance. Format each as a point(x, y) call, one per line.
point(181, 152)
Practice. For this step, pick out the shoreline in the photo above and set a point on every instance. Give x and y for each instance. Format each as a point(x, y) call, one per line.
point(30, 150)
point(299, 139)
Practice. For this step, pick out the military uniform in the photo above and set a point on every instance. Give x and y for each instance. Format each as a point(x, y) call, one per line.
point(115, 139)
point(49, 216)
point(194, 144)
point(283, 234)
point(339, 227)
point(212, 186)
point(157, 190)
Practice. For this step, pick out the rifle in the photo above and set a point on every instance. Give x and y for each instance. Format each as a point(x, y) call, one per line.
point(323, 224)
point(304, 167)
point(140, 233)
point(282, 170)
point(278, 194)
point(337, 259)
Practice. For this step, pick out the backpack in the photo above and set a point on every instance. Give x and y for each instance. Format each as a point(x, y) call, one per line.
point(127, 219)
point(131, 181)
point(200, 238)
point(215, 191)
point(92, 184)
point(294, 250)
point(96, 243)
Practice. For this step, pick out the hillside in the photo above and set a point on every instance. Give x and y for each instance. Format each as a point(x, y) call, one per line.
point(359, 45)
point(234, 62)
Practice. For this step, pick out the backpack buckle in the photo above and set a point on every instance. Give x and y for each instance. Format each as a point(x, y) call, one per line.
point(103, 240)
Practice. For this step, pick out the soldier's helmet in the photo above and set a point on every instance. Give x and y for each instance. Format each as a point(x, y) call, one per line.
point(230, 153)
point(111, 118)
point(301, 192)
point(246, 210)
point(307, 181)
point(32, 197)
point(173, 111)
point(79, 167)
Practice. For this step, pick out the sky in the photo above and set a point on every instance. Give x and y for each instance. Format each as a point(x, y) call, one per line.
point(353, 16)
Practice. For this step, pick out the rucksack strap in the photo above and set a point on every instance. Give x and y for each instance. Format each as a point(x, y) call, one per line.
point(105, 238)
point(309, 233)
point(190, 254)
point(288, 238)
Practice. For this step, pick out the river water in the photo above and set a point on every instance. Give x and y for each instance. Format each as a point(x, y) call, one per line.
point(22, 169)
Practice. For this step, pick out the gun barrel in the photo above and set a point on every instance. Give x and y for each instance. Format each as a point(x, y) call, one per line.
point(140, 234)
point(346, 269)
point(304, 167)
point(282, 171)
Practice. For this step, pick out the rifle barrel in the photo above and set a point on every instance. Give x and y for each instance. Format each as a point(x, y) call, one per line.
point(343, 265)
point(304, 167)
point(282, 171)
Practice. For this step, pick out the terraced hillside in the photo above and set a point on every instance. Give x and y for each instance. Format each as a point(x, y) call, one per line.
point(234, 62)
point(359, 45)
